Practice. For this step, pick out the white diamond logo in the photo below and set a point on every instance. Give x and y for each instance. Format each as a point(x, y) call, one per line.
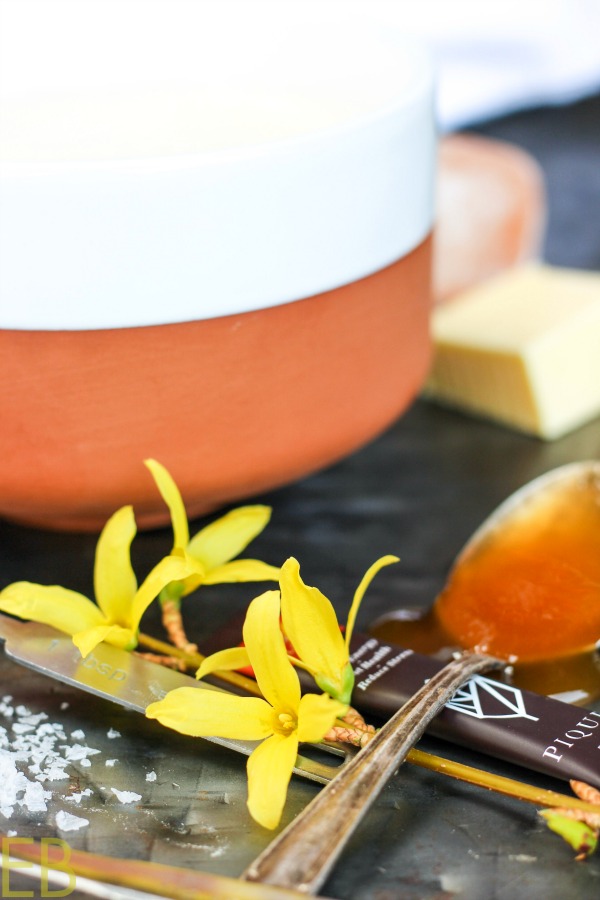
point(483, 698)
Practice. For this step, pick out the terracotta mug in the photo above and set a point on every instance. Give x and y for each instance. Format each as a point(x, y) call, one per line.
point(229, 272)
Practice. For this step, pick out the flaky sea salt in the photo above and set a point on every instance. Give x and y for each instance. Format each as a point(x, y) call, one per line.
point(55, 771)
point(12, 782)
point(34, 798)
point(126, 796)
point(76, 797)
point(34, 751)
point(67, 822)
point(77, 752)
point(17, 790)
point(31, 755)
point(23, 727)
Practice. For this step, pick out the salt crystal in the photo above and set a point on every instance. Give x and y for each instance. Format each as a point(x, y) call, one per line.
point(35, 797)
point(151, 776)
point(113, 733)
point(67, 822)
point(76, 798)
point(34, 718)
point(77, 752)
point(23, 728)
point(78, 735)
point(126, 796)
point(50, 728)
point(54, 772)
point(64, 705)
point(111, 762)
point(5, 707)
point(85, 763)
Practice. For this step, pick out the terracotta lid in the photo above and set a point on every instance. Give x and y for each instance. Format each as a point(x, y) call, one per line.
point(491, 211)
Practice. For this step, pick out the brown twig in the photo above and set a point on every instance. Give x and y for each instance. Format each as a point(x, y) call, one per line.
point(585, 791)
point(171, 662)
point(173, 624)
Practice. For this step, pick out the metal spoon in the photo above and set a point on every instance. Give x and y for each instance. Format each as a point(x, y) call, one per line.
point(526, 588)
point(303, 855)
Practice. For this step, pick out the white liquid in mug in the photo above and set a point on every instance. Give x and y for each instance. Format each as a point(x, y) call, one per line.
point(150, 122)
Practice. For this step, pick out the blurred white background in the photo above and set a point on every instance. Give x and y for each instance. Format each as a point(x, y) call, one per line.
point(497, 56)
point(492, 57)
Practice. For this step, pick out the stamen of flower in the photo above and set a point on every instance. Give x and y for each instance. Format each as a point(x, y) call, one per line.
point(286, 721)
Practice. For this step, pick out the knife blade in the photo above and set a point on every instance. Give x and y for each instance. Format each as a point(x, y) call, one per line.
point(129, 680)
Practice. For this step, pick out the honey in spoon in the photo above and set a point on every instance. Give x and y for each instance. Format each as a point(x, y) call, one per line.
point(526, 588)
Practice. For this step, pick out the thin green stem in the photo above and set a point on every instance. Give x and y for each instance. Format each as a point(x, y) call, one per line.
point(498, 783)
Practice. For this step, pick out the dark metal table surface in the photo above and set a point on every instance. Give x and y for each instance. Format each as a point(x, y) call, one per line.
point(418, 491)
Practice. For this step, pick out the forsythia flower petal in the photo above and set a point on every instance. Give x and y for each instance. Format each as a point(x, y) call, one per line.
point(214, 546)
point(269, 771)
point(315, 716)
point(114, 579)
point(310, 622)
point(88, 639)
point(265, 644)
point(226, 537)
point(172, 497)
point(203, 713)
point(360, 592)
point(171, 568)
point(224, 661)
point(241, 570)
point(53, 605)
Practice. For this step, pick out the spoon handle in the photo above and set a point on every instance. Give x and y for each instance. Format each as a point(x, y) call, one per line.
point(306, 851)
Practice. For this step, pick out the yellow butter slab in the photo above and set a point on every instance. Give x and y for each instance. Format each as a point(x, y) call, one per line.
point(522, 349)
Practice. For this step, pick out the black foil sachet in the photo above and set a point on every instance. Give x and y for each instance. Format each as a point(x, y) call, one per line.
point(486, 715)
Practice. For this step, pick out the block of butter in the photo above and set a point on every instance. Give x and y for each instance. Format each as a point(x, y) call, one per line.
point(523, 349)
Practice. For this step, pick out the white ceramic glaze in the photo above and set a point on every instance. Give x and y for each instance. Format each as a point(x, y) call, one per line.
point(326, 180)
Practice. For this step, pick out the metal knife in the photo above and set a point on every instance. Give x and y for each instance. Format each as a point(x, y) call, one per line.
point(128, 680)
